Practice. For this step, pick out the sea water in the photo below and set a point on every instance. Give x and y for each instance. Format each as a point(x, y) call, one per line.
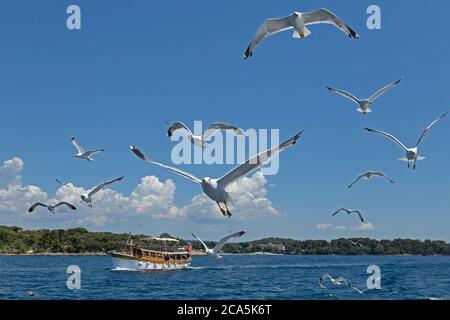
point(233, 277)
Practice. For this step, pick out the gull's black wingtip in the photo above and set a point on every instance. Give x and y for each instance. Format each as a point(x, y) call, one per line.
point(248, 53)
point(137, 152)
point(297, 136)
point(352, 33)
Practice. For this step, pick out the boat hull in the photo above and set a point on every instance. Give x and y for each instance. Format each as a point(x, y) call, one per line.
point(120, 263)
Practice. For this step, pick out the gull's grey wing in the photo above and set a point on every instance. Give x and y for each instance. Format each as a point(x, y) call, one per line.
point(325, 16)
point(359, 215)
point(268, 28)
point(383, 90)
point(355, 288)
point(326, 275)
point(178, 126)
point(37, 204)
point(67, 185)
point(357, 179)
point(390, 137)
point(71, 206)
point(225, 239)
point(340, 280)
point(102, 185)
point(345, 94)
point(217, 126)
point(381, 174)
point(256, 162)
point(427, 129)
point(92, 152)
point(339, 210)
point(180, 172)
point(204, 245)
point(77, 145)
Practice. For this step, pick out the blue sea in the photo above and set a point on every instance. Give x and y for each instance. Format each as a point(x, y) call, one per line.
point(233, 277)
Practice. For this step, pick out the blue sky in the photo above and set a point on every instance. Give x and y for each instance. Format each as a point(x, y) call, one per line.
point(135, 65)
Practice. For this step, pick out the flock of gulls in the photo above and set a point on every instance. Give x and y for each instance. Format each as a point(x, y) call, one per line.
point(215, 188)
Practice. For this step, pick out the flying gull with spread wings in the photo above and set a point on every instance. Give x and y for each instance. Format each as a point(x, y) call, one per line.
point(215, 189)
point(200, 139)
point(365, 103)
point(51, 208)
point(412, 154)
point(297, 21)
point(369, 174)
point(82, 154)
point(87, 198)
point(349, 211)
point(214, 252)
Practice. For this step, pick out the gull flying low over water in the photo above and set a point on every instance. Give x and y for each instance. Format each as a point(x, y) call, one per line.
point(50, 207)
point(87, 155)
point(369, 174)
point(87, 198)
point(335, 281)
point(214, 252)
point(297, 21)
point(365, 103)
point(215, 188)
point(411, 153)
point(200, 140)
point(348, 211)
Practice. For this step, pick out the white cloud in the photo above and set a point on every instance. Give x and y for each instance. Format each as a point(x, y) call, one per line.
point(14, 197)
point(323, 226)
point(365, 227)
point(249, 199)
point(340, 228)
point(151, 197)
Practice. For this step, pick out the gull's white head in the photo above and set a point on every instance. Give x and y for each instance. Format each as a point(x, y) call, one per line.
point(207, 180)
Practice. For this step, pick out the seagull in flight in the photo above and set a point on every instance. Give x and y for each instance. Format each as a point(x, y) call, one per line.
point(348, 211)
point(200, 140)
point(50, 207)
point(356, 243)
point(87, 155)
point(369, 174)
point(215, 188)
point(411, 153)
point(87, 198)
point(214, 252)
point(297, 21)
point(365, 103)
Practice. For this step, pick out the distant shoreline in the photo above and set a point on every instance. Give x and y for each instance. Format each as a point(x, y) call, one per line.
point(16, 241)
point(202, 254)
point(55, 254)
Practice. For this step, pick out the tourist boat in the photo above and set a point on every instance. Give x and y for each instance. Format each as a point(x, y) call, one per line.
point(161, 254)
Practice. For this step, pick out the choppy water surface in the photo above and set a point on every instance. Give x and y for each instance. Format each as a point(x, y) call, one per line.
point(233, 277)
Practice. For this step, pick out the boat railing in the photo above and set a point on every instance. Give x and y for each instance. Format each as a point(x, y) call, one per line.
point(154, 247)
